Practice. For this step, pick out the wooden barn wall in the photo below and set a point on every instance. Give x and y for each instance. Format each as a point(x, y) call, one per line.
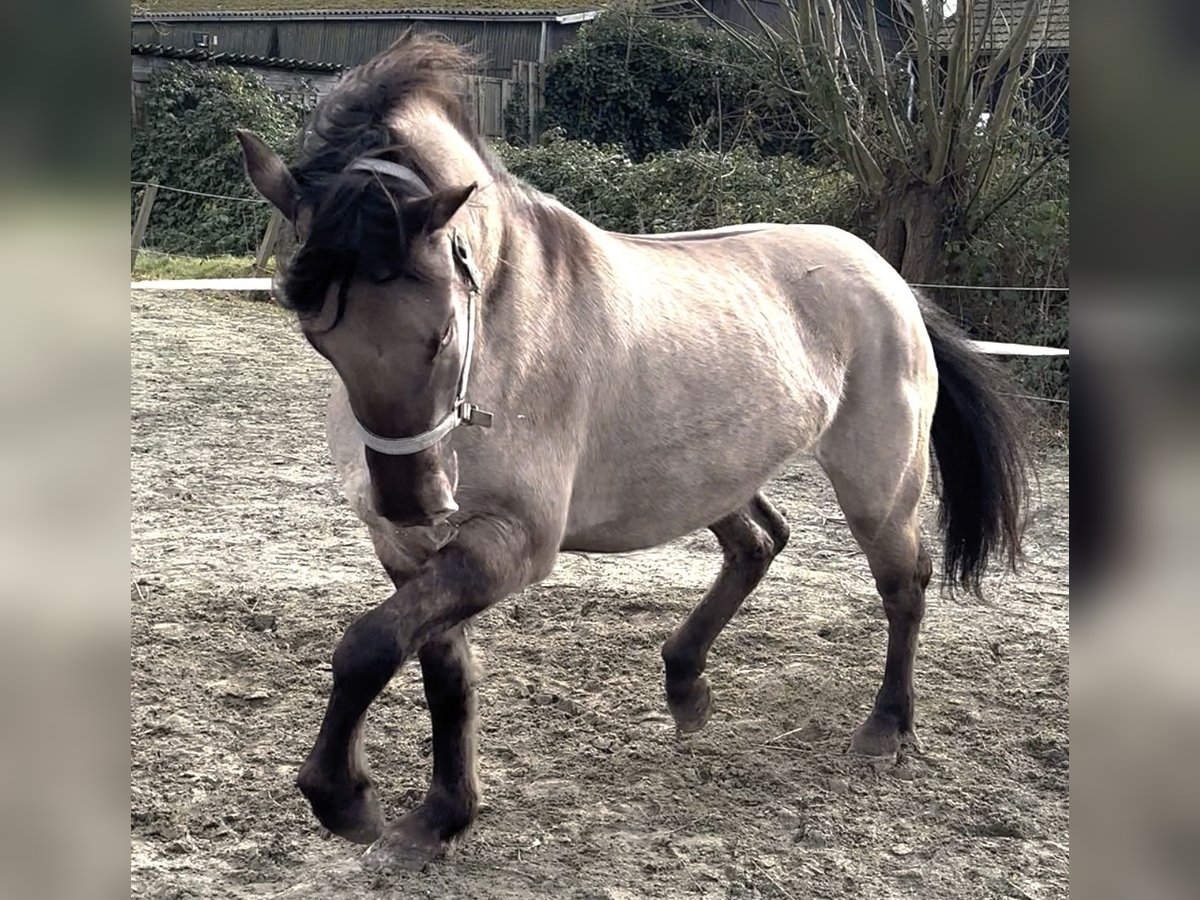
point(558, 36)
point(772, 13)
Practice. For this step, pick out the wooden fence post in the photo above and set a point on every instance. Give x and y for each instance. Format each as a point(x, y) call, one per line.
point(140, 223)
point(530, 100)
point(506, 94)
point(269, 239)
point(541, 99)
point(473, 101)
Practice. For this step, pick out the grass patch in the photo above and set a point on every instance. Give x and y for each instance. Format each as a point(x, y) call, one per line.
point(155, 266)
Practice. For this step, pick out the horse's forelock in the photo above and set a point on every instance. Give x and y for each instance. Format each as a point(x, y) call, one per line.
point(355, 230)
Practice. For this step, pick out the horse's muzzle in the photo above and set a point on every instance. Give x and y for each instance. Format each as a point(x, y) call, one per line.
point(440, 517)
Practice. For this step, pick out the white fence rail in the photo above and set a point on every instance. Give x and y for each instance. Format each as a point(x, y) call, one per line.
point(992, 348)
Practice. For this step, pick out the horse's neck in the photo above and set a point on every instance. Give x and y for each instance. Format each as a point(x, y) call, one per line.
point(554, 255)
point(443, 152)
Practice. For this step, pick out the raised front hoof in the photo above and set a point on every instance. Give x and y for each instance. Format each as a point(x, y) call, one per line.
point(348, 809)
point(407, 845)
point(691, 708)
point(881, 738)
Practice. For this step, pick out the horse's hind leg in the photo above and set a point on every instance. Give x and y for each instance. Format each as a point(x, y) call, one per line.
point(877, 458)
point(750, 538)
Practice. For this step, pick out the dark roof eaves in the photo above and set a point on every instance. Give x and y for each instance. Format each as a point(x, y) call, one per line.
point(197, 54)
point(561, 15)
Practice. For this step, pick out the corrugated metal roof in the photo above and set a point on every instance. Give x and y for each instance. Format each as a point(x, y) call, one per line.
point(1051, 29)
point(250, 9)
point(232, 59)
point(153, 7)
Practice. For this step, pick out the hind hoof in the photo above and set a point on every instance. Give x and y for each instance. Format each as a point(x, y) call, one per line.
point(694, 708)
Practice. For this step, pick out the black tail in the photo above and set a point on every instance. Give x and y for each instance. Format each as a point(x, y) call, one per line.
point(981, 457)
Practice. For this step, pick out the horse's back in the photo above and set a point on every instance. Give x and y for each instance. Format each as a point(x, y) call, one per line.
point(809, 262)
point(842, 300)
point(807, 297)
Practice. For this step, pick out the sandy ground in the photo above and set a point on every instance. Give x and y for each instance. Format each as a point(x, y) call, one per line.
point(247, 565)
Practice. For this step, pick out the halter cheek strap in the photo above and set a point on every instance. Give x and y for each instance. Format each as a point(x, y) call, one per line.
point(462, 412)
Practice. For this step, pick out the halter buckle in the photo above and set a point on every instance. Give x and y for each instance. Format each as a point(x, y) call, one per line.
point(473, 415)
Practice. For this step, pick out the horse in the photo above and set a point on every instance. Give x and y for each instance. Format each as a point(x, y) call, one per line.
point(513, 382)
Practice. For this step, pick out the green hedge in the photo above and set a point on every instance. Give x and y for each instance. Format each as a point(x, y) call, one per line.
point(187, 139)
point(681, 190)
point(651, 85)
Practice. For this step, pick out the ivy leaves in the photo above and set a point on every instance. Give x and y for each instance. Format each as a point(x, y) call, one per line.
point(187, 140)
point(650, 84)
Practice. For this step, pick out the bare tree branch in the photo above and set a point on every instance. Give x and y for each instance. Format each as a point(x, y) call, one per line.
point(957, 79)
point(873, 58)
point(926, 95)
point(1014, 47)
point(829, 59)
point(1018, 185)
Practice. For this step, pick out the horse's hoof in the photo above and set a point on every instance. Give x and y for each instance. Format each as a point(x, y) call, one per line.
point(407, 845)
point(880, 739)
point(692, 711)
point(350, 810)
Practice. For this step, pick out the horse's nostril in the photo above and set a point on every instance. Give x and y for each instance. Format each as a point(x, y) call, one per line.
point(440, 517)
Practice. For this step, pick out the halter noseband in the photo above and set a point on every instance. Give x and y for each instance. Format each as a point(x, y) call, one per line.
point(462, 412)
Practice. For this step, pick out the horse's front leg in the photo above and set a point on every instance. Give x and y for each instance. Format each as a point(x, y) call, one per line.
point(448, 672)
point(488, 560)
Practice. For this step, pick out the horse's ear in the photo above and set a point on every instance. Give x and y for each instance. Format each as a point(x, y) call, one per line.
point(431, 213)
point(269, 174)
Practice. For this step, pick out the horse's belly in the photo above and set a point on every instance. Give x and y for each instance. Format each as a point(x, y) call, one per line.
point(639, 498)
point(640, 529)
point(633, 514)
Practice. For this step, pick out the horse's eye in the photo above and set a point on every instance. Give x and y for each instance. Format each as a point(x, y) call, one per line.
point(443, 342)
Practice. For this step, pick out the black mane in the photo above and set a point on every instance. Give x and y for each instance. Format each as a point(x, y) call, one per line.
point(355, 230)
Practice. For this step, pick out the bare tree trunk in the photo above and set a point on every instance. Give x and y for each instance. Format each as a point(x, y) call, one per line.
point(914, 227)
